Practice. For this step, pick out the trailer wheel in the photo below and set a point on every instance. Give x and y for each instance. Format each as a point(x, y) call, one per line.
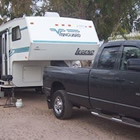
point(62, 107)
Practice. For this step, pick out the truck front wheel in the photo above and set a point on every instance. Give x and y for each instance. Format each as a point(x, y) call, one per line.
point(62, 108)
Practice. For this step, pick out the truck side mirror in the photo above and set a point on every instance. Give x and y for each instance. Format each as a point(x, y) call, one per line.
point(133, 64)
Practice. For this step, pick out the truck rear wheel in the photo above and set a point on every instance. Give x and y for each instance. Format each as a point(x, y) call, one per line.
point(62, 108)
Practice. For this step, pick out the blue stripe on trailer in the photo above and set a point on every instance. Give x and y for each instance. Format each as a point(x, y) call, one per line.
point(19, 50)
point(24, 28)
point(64, 42)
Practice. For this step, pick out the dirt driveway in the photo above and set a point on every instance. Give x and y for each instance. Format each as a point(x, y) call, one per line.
point(36, 122)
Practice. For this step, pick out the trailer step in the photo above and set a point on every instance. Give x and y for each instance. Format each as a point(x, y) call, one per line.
point(6, 84)
point(124, 120)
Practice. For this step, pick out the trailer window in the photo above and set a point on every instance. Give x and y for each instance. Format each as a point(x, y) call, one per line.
point(16, 35)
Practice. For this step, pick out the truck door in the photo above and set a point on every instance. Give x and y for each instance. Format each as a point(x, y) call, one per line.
point(102, 86)
point(128, 92)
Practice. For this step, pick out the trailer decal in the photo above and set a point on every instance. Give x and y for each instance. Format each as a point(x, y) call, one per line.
point(84, 52)
point(67, 32)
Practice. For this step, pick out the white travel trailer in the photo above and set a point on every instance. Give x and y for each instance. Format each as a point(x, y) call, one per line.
point(28, 44)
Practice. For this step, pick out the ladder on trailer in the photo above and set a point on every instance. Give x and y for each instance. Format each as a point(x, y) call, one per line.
point(5, 77)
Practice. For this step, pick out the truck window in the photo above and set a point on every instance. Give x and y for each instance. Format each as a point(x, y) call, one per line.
point(108, 58)
point(16, 35)
point(129, 52)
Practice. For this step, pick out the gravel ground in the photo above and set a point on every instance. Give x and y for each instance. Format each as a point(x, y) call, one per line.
point(34, 121)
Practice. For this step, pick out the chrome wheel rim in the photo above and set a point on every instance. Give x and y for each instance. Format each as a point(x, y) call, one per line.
point(58, 105)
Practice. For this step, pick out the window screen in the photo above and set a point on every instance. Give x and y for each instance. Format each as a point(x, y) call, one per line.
point(16, 35)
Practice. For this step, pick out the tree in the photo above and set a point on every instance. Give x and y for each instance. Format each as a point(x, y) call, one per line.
point(20, 8)
point(70, 8)
point(4, 5)
point(39, 7)
point(10, 9)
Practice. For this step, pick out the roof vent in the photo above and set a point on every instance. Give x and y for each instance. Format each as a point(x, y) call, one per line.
point(52, 14)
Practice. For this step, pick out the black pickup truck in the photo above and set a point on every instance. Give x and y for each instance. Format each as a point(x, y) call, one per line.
point(110, 89)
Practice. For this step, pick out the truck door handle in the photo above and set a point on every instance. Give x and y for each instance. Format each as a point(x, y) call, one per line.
point(119, 80)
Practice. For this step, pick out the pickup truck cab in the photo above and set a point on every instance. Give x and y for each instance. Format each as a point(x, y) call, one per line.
point(110, 89)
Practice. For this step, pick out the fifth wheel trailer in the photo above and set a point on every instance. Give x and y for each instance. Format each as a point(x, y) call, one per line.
point(28, 44)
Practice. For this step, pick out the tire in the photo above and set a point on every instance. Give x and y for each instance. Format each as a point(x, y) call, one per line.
point(62, 108)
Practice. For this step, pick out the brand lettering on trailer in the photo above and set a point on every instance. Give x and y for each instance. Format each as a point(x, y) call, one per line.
point(67, 32)
point(84, 52)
